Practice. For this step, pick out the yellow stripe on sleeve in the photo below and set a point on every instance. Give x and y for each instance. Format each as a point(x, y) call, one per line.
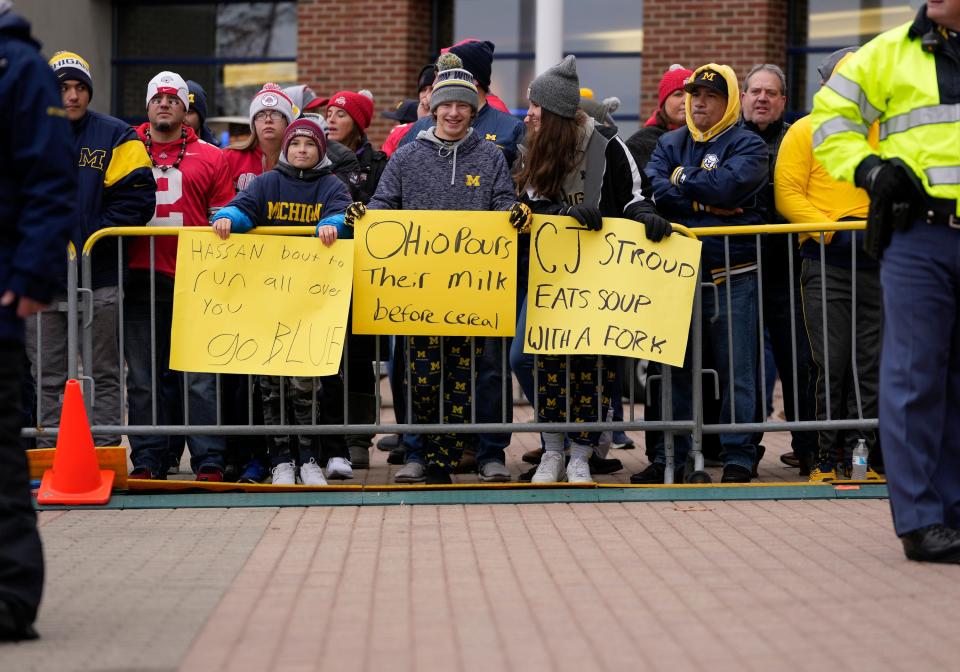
point(127, 157)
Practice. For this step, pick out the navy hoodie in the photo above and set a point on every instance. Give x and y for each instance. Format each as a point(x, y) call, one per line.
point(38, 181)
point(288, 196)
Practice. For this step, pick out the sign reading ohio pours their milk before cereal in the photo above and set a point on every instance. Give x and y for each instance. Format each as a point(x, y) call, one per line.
point(435, 273)
point(272, 305)
point(609, 292)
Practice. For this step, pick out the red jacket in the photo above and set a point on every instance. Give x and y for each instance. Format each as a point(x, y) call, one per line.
point(185, 195)
point(244, 166)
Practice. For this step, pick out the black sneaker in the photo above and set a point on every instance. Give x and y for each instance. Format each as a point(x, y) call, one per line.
point(653, 475)
point(734, 473)
point(437, 475)
point(397, 456)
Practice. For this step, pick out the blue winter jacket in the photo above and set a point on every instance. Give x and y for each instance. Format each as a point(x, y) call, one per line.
point(288, 196)
point(115, 187)
point(38, 181)
point(726, 167)
point(502, 129)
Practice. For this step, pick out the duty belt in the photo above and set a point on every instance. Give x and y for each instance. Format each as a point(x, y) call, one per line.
point(941, 212)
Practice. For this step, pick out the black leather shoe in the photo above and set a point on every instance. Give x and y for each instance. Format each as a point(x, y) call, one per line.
point(654, 473)
point(790, 459)
point(934, 543)
point(734, 473)
point(533, 456)
point(397, 456)
point(11, 630)
point(604, 465)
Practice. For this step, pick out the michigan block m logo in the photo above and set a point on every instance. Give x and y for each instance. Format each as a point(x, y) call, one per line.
point(92, 157)
point(473, 180)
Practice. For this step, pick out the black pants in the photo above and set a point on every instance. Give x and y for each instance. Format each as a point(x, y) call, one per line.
point(21, 557)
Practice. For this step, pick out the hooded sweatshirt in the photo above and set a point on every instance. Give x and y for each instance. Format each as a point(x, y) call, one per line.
point(185, 195)
point(724, 166)
point(288, 196)
point(433, 174)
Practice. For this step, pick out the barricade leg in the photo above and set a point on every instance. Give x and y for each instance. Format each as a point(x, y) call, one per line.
point(52, 373)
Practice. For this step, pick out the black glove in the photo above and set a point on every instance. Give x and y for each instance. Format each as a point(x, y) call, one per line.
point(521, 216)
point(885, 180)
point(588, 216)
point(656, 226)
point(354, 211)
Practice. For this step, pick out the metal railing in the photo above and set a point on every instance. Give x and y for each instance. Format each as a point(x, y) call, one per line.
point(79, 306)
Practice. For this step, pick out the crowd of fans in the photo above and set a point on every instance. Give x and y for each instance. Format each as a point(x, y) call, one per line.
point(714, 152)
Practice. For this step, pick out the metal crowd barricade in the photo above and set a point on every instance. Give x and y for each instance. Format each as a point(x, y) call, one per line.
point(80, 305)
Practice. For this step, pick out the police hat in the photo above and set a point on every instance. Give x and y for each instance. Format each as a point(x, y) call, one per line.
point(710, 79)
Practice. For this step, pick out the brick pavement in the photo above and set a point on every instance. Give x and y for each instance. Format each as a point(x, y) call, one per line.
point(758, 585)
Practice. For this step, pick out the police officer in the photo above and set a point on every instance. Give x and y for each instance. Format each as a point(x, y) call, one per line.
point(37, 189)
point(909, 79)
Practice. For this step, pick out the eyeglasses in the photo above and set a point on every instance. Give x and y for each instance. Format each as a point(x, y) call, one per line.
point(272, 115)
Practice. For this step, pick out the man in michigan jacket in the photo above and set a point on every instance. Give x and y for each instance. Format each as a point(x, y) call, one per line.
point(115, 188)
point(712, 173)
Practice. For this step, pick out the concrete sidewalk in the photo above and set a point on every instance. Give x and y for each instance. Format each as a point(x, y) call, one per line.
point(799, 585)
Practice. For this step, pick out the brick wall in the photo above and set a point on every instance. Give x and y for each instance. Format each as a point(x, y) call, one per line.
point(738, 33)
point(379, 45)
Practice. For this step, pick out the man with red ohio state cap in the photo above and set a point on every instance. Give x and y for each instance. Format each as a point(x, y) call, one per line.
point(192, 180)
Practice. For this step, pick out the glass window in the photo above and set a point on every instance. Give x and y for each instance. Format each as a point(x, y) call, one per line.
point(834, 24)
point(231, 49)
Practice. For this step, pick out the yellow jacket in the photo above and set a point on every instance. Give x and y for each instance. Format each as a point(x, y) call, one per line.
point(804, 191)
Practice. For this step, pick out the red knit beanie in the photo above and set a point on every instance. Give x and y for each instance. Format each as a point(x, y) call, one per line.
point(357, 105)
point(672, 80)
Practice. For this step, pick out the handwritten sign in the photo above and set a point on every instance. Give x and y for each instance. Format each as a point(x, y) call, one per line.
point(609, 292)
point(273, 305)
point(435, 273)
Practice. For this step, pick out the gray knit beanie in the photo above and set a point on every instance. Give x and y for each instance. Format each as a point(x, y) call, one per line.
point(558, 89)
point(453, 84)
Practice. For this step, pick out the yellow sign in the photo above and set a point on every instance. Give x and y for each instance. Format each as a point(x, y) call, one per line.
point(609, 292)
point(274, 305)
point(435, 273)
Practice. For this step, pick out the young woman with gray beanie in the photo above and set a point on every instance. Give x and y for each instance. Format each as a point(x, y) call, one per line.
point(571, 166)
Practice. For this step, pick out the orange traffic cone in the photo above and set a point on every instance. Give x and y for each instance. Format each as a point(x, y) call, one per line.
point(75, 478)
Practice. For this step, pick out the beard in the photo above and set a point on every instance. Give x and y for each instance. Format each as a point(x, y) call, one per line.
point(164, 126)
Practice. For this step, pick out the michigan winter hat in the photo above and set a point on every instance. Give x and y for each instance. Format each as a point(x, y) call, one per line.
point(673, 80)
point(68, 65)
point(307, 128)
point(198, 100)
point(558, 88)
point(453, 84)
point(710, 79)
point(170, 83)
point(359, 105)
point(477, 59)
point(271, 97)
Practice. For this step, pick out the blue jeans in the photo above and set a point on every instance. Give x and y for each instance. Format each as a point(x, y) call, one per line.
point(920, 376)
point(738, 448)
point(151, 451)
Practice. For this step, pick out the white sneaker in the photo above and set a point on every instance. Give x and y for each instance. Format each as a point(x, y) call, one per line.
point(578, 471)
point(284, 474)
point(339, 468)
point(311, 473)
point(550, 469)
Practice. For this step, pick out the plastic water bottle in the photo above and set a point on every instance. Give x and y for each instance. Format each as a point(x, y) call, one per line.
point(606, 437)
point(859, 471)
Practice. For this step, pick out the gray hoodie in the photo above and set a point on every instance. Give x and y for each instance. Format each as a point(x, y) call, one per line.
point(432, 174)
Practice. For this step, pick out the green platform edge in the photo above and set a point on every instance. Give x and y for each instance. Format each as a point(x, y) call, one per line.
point(220, 500)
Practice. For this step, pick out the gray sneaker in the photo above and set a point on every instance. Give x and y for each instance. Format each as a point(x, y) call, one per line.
point(412, 472)
point(494, 472)
point(359, 457)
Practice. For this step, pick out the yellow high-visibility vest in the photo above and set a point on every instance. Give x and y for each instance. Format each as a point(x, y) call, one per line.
point(893, 79)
